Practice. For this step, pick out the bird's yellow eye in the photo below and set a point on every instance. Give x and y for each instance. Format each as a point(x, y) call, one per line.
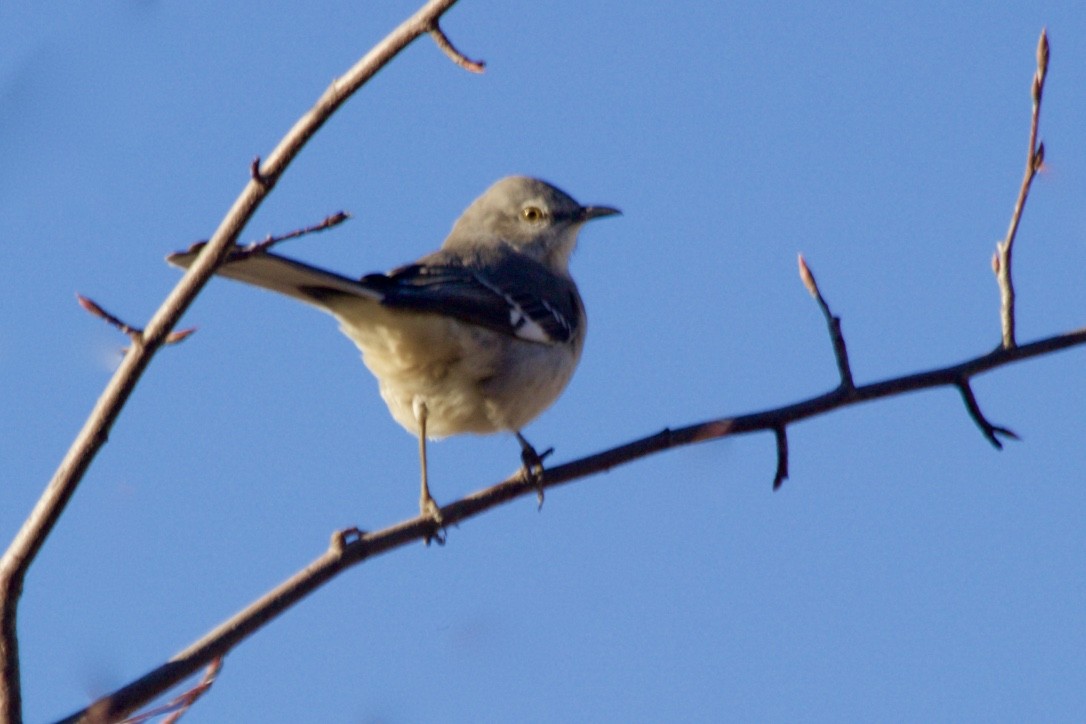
point(533, 214)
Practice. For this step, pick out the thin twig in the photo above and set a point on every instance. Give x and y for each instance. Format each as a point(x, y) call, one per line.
point(26, 544)
point(259, 247)
point(443, 42)
point(990, 431)
point(833, 323)
point(352, 546)
point(1001, 262)
point(781, 435)
point(269, 241)
point(134, 333)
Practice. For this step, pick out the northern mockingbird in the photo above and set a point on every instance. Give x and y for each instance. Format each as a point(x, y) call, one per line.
point(480, 336)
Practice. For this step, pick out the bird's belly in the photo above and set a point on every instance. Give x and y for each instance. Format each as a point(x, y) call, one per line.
point(469, 378)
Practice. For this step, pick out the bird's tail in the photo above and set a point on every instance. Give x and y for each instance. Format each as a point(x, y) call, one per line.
point(306, 283)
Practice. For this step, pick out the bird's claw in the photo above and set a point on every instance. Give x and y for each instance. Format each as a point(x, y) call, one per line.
point(533, 466)
point(428, 508)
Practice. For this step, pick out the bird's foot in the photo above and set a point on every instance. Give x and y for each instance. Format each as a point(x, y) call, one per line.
point(533, 465)
point(428, 508)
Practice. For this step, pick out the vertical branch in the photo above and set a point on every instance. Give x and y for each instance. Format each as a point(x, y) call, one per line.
point(833, 324)
point(1001, 262)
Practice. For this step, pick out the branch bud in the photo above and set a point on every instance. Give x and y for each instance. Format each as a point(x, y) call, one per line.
point(807, 278)
point(1042, 53)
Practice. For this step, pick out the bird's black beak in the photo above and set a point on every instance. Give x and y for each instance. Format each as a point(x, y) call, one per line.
point(595, 212)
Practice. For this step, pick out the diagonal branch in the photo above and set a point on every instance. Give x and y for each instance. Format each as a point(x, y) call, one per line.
point(42, 519)
point(353, 546)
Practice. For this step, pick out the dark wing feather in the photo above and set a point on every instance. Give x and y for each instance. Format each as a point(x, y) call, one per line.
point(501, 305)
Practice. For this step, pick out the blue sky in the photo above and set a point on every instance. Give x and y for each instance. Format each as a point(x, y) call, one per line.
point(906, 571)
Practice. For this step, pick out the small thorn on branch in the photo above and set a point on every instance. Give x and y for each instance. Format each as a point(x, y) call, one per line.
point(990, 431)
point(840, 351)
point(256, 175)
point(443, 42)
point(782, 456)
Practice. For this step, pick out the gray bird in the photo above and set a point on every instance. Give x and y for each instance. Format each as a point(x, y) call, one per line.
point(480, 336)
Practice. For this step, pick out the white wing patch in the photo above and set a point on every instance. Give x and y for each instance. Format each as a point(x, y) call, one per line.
point(524, 326)
point(530, 318)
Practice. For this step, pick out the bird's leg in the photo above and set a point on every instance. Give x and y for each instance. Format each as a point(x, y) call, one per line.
point(428, 507)
point(533, 464)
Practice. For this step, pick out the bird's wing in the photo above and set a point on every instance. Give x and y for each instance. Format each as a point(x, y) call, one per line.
point(495, 300)
point(492, 300)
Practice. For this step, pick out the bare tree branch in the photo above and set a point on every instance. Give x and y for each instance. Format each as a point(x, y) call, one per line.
point(352, 546)
point(41, 520)
point(1001, 262)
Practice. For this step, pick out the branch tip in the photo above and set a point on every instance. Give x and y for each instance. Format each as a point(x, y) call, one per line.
point(443, 42)
point(807, 278)
point(337, 218)
point(1042, 54)
point(88, 304)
